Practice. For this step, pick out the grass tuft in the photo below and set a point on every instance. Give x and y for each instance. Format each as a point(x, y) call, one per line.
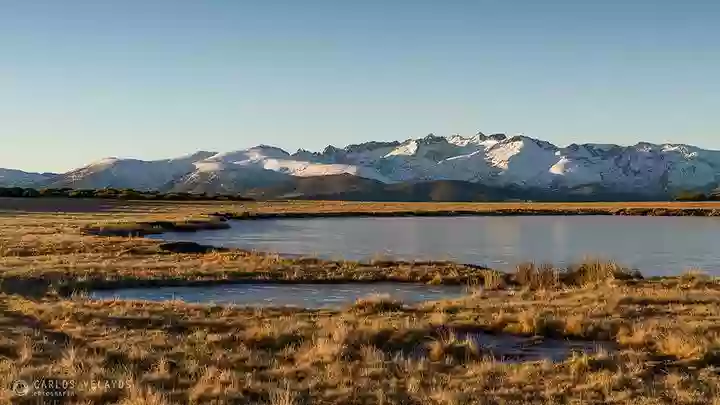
point(377, 304)
point(453, 349)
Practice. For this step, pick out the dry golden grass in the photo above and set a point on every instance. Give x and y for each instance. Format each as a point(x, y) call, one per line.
point(180, 353)
point(665, 333)
point(145, 210)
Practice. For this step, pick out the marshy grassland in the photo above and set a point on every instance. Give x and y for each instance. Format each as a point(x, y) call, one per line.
point(663, 334)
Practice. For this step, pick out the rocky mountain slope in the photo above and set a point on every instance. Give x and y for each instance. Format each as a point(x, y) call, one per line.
point(494, 162)
point(11, 177)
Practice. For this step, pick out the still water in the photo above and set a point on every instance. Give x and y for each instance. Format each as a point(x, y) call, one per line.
point(299, 295)
point(654, 245)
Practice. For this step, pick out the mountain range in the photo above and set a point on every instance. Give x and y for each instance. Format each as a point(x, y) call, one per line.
point(461, 167)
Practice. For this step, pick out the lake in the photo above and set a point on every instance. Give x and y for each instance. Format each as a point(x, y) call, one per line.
point(655, 245)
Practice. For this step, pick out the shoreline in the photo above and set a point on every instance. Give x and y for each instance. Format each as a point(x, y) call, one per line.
point(630, 211)
point(471, 274)
point(217, 220)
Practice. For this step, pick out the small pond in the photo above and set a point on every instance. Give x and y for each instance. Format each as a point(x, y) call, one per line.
point(513, 348)
point(299, 295)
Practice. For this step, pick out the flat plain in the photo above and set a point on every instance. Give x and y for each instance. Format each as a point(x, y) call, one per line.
point(661, 336)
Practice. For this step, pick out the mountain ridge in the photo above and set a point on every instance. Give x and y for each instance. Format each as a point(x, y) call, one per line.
point(495, 161)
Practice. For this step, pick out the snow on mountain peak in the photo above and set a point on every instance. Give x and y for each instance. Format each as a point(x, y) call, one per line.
point(19, 178)
point(409, 148)
point(193, 157)
point(104, 161)
point(496, 160)
point(460, 140)
point(245, 155)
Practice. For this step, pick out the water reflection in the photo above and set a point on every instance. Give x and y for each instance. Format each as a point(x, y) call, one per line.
point(655, 245)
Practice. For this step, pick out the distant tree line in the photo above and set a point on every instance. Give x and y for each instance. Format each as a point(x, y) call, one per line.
point(115, 194)
point(698, 196)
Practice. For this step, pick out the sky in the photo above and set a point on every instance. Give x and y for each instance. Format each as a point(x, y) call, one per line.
point(152, 79)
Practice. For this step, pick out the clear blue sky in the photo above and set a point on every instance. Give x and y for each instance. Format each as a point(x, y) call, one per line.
point(81, 80)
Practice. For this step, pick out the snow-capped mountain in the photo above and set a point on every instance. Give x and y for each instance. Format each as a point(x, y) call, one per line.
point(11, 177)
point(495, 161)
point(130, 173)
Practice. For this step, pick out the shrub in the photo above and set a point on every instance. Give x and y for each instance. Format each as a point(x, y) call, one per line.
point(82, 194)
point(30, 193)
point(377, 303)
point(592, 272)
point(493, 280)
point(11, 192)
point(691, 196)
point(535, 278)
point(452, 348)
point(111, 193)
